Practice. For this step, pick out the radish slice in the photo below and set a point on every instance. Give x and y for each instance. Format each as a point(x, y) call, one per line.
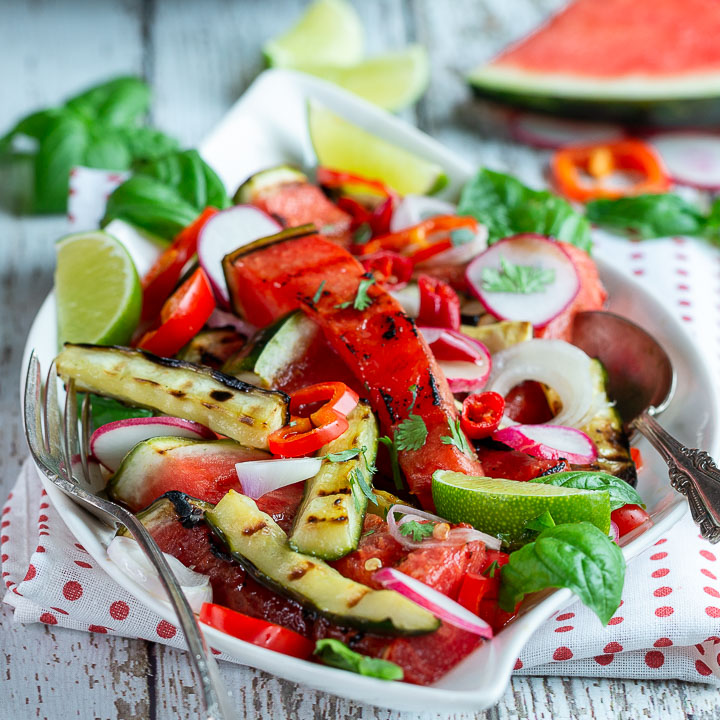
point(456, 536)
point(227, 231)
point(552, 133)
point(441, 606)
point(110, 443)
point(413, 209)
point(259, 477)
point(538, 307)
point(550, 442)
point(691, 158)
point(128, 556)
point(614, 532)
point(465, 362)
point(560, 365)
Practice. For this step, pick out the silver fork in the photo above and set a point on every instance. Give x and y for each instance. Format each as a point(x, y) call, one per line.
point(53, 440)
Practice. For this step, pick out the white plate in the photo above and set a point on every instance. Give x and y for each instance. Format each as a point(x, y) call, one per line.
point(268, 126)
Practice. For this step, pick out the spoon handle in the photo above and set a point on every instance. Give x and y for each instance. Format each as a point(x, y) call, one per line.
point(692, 473)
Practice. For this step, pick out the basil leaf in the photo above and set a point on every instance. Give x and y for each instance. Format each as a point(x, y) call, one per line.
point(507, 207)
point(576, 556)
point(335, 653)
point(621, 493)
point(151, 205)
point(107, 151)
point(63, 147)
point(106, 410)
point(649, 216)
point(146, 143)
point(35, 126)
point(118, 102)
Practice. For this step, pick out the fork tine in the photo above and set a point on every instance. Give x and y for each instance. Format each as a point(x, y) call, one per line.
point(32, 416)
point(52, 415)
point(85, 420)
point(70, 429)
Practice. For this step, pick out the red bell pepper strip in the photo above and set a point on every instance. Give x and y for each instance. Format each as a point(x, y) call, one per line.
point(256, 631)
point(299, 437)
point(474, 587)
point(571, 166)
point(163, 276)
point(337, 179)
point(358, 212)
point(335, 396)
point(389, 269)
point(182, 316)
point(439, 304)
point(481, 414)
point(637, 458)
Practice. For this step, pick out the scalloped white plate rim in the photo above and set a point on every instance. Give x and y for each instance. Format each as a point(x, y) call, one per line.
point(273, 112)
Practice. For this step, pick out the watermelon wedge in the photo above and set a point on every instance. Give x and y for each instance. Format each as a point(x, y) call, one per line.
point(641, 62)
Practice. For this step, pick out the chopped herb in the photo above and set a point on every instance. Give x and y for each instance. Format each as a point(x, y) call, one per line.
point(358, 484)
point(461, 236)
point(419, 531)
point(343, 455)
point(370, 466)
point(362, 299)
point(392, 450)
point(541, 522)
point(491, 569)
point(318, 292)
point(335, 653)
point(412, 432)
point(511, 278)
point(457, 438)
point(362, 234)
point(367, 533)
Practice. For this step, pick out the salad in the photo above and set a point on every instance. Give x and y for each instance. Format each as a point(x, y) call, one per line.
point(354, 417)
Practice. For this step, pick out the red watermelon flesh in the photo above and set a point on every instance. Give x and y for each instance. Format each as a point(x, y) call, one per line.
point(616, 38)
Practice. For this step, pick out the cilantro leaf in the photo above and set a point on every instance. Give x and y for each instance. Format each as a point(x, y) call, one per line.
point(491, 569)
point(419, 531)
point(318, 293)
point(362, 299)
point(335, 653)
point(411, 433)
point(360, 487)
point(392, 450)
point(457, 438)
point(511, 278)
point(343, 455)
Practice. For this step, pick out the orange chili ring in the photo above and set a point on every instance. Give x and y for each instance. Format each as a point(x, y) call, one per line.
point(580, 172)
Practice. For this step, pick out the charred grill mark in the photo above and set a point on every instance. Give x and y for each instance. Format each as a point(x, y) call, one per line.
point(146, 381)
point(220, 395)
point(297, 572)
point(255, 528)
point(388, 400)
point(354, 601)
point(366, 356)
point(209, 406)
point(189, 514)
point(390, 333)
point(341, 491)
point(216, 550)
point(178, 393)
point(434, 389)
point(554, 469)
point(339, 519)
point(245, 420)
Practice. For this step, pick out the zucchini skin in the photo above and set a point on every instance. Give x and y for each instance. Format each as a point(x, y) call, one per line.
point(330, 518)
point(253, 539)
point(212, 347)
point(175, 506)
point(230, 406)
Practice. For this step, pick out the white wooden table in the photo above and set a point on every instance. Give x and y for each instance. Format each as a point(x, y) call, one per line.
point(199, 57)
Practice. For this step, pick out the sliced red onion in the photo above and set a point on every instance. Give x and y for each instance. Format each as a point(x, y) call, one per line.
point(614, 533)
point(222, 318)
point(227, 231)
point(691, 158)
point(456, 536)
point(560, 365)
point(537, 251)
point(413, 209)
point(111, 442)
point(459, 254)
point(409, 298)
point(465, 361)
point(551, 133)
point(128, 556)
point(441, 606)
point(259, 477)
point(550, 442)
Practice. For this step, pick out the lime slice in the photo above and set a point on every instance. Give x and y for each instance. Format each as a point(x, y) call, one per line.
point(340, 145)
point(328, 33)
point(97, 290)
point(503, 507)
point(391, 81)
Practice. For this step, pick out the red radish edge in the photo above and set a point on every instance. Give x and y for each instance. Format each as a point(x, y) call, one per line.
point(453, 350)
point(564, 290)
point(214, 243)
point(614, 532)
point(549, 442)
point(441, 606)
point(552, 133)
point(259, 477)
point(111, 442)
point(691, 158)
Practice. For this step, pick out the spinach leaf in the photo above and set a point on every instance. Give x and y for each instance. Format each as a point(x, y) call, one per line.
point(507, 207)
point(621, 493)
point(335, 653)
point(574, 555)
point(648, 216)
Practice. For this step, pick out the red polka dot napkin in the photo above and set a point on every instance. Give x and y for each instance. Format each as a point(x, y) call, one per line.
point(668, 625)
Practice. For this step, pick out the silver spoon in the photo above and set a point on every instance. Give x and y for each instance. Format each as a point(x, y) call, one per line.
point(641, 379)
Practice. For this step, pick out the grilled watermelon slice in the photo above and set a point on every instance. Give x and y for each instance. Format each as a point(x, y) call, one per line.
point(646, 62)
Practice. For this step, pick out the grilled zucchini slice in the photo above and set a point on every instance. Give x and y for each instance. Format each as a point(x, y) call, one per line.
point(258, 543)
point(500, 335)
point(330, 519)
point(225, 404)
point(267, 181)
point(212, 347)
point(172, 507)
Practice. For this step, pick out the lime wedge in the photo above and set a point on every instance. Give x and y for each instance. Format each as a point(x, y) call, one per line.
point(340, 145)
point(503, 507)
point(392, 81)
point(328, 33)
point(97, 290)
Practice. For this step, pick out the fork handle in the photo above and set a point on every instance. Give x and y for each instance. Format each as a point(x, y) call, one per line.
point(213, 694)
point(692, 473)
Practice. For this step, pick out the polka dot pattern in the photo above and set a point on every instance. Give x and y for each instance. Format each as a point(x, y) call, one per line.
point(72, 590)
point(166, 630)
point(119, 610)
